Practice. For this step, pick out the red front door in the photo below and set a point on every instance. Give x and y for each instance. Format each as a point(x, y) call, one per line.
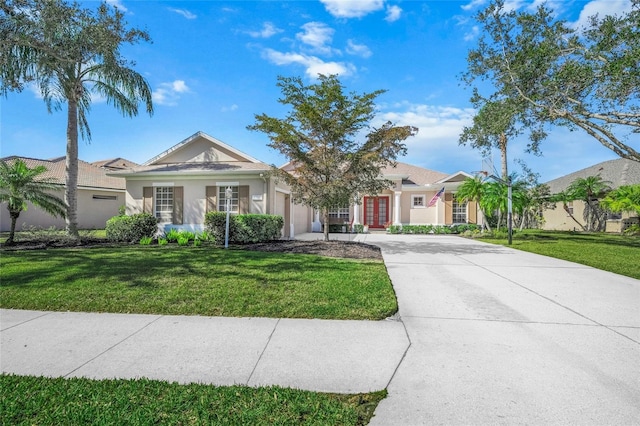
point(376, 211)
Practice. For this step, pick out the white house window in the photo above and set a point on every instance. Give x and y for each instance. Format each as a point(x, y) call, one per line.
point(459, 212)
point(164, 203)
point(222, 200)
point(417, 201)
point(339, 212)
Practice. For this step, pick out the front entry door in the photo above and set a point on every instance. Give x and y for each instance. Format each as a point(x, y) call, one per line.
point(376, 211)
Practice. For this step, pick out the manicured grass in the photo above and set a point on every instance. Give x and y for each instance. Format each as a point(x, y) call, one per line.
point(45, 401)
point(609, 252)
point(195, 281)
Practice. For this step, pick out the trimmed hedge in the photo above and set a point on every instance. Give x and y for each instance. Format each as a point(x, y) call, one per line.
point(244, 228)
point(432, 229)
point(131, 228)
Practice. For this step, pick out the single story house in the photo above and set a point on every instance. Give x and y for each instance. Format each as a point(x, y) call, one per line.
point(619, 172)
point(99, 196)
point(180, 185)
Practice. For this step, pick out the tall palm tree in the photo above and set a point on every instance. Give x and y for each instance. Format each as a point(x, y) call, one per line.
point(72, 53)
point(589, 189)
point(20, 184)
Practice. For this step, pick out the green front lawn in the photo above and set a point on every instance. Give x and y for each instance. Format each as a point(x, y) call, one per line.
point(45, 401)
point(609, 252)
point(195, 281)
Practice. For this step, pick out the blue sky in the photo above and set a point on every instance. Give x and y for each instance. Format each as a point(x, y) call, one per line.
point(213, 65)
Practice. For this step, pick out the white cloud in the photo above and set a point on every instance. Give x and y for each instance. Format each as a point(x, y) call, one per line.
point(313, 64)
point(184, 13)
point(437, 138)
point(358, 49)
point(229, 108)
point(168, 93)
point(118, 4)
point(602, 8)
point(393, 13)
point(268, 30)
point(352, 8)
point(317, 35)
point(473, 4)
point(472, 33)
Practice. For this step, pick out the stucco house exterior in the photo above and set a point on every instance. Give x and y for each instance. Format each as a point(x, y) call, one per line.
point(180, 185)
point(99, 196)
point(617, 172)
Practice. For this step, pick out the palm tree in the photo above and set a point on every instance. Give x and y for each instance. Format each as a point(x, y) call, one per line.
point(624, 199)
point(589, 189)
point(19, 184)
point(472, 189)
point(73, 53)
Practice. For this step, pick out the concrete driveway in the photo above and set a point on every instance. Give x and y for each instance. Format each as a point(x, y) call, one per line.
point(500, 336)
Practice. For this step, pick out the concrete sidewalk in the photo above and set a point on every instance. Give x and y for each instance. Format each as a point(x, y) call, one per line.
point(327, 356)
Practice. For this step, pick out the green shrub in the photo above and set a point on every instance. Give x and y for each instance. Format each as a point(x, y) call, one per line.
point(145, 241)
point(394, 229)
point(172, 235)
point(183, 239)
point(197, 242)
point(131, 228)
point(243, 228)
point(162, 241)
point(358, 228)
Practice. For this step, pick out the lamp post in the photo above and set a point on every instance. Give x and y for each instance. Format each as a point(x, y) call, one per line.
point(228, 194)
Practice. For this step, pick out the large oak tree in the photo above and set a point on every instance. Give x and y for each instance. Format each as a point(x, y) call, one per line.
point(552, 73)
point(336, 154)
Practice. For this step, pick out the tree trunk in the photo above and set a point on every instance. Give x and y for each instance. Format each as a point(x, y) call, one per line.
point(503, 155)
point(566, 208)
point(12, 231)
point(71, 168)
point(325, 217)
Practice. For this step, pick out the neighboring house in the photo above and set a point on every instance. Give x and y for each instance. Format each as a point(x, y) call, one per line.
point(180, 185)
point(115, 164)
point(99, 196)
point(618, 173)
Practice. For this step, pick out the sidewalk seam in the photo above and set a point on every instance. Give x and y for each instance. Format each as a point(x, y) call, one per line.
point(255, 367)
point(113, 346)
point(406, 351)
point(29, 320)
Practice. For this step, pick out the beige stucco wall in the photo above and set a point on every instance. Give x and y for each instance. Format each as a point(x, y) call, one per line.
point(558, 219)
point(198, 151)
point(92, 213)
point(194, 207)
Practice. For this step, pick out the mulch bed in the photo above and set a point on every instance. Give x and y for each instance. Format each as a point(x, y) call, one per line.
point(338, 249)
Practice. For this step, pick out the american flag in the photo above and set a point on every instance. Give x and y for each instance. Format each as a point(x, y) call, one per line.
point(434, 200)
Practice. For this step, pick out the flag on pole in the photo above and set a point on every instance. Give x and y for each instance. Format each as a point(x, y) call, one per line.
point(434, 200)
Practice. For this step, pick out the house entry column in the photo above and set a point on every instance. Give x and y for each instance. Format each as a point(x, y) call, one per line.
point(316, 226)
point(356, 213)
point(396, 208)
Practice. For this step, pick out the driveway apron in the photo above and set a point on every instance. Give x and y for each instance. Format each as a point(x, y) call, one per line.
point(500, 336)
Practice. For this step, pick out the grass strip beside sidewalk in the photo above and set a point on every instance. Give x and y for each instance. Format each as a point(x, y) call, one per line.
point(58, 401)
point(614, 253)
point(195, 281)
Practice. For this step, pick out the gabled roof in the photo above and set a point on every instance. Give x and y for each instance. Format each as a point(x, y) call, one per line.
point(413, 175)
point(89, 176)
point(456, 177)
point(115, 163)
point(191, 139)
point(618, 172)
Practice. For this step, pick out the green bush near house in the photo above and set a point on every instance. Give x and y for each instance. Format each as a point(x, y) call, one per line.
point(244, 228)
point(131, 228)
point(432, 229)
